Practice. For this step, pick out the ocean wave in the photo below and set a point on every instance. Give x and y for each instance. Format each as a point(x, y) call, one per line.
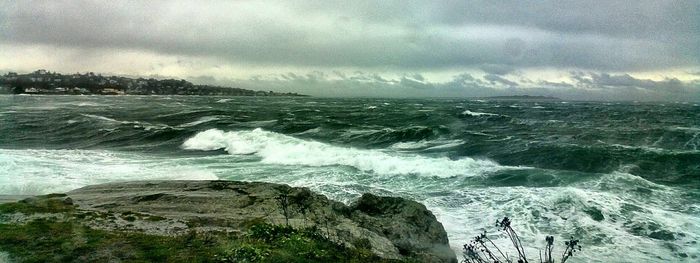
point(426, 145)
point(275, 148)
point(376, 135)
point(54, 171)
point(650, 149)
point(199, 121)
point(310, 131)
point(693, 129)
point(134, 124)
point(478, 114)
point(98, 117)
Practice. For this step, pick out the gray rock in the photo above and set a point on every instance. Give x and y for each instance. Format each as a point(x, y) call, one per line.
point(412, 228)
point(391, 227)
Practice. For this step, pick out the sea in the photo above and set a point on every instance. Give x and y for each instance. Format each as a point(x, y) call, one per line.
point(622, 177)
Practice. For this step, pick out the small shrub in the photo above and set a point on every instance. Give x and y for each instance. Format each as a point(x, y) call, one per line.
point(283, 201)
point(290, 204)
point(362, 243)
point(268, 232)
point(244, 253)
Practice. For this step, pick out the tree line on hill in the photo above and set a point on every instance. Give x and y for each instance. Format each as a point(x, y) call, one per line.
point(46, 82)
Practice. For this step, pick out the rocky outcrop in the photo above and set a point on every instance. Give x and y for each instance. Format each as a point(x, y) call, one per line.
point(391, 227)
point(412, 228)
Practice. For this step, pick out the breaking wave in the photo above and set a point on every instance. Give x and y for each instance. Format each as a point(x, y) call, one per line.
point(480, 114)
point(275, 148)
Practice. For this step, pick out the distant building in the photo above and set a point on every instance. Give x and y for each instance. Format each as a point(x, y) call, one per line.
point(112, 91)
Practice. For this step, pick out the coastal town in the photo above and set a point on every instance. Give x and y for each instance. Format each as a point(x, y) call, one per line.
point(52, 83)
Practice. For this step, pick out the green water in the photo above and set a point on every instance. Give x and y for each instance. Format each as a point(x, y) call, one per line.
point(622, 177)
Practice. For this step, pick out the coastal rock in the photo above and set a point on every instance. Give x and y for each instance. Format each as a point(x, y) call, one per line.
point(391, 227)
point(411, 227)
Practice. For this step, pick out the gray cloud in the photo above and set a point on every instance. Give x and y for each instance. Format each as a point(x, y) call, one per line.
point(593, 35)
point(495, 79)
point(669, 88)
point(497, 69)
point(375, 48)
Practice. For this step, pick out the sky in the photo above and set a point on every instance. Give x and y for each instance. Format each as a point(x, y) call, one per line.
point(586, 50)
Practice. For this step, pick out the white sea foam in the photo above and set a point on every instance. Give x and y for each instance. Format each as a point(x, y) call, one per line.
point(410, 145)
point(136, 124)
point(478, 114)
point(688, 129)
point(52, 171)
point(426, 144)
point(655, 149)
point(98, 117)
point(89, 104)
point(629, 217)
point(199, 121)
point(310, 131)
point(275, 148)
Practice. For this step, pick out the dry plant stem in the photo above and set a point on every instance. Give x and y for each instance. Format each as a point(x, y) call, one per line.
point(479, 249)
point(516, 243)
point(499, 250)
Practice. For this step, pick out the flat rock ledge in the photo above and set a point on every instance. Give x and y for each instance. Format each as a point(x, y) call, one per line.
point(394, 228)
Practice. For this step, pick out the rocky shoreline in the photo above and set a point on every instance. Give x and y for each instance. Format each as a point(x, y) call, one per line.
point(391, 228)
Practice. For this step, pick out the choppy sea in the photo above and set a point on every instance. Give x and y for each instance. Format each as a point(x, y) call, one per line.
point(623, 177)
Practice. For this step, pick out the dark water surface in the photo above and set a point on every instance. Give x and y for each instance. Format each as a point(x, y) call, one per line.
point(622, 177)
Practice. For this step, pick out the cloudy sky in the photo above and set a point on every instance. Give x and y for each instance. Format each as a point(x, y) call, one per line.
point(614, 50)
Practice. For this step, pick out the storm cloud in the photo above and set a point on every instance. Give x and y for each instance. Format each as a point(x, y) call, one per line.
point(495, 39)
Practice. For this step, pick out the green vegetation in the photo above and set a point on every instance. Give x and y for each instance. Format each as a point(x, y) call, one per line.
point(43, 204)
point(45, 82)
point(49, 239)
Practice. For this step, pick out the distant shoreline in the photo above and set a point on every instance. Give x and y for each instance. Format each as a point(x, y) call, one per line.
point(520, 97)
point(42, 82)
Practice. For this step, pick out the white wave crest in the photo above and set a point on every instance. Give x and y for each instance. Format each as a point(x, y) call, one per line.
point(199, 121)
point(136, 124)
point(426, 145)
point(275, 148)
point(98, 117)
point(478, 114)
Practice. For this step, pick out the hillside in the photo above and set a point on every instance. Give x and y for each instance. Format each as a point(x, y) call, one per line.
point(45, 82)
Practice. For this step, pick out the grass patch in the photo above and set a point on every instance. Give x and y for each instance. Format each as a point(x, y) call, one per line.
point(53, 203)
point(49, 240)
